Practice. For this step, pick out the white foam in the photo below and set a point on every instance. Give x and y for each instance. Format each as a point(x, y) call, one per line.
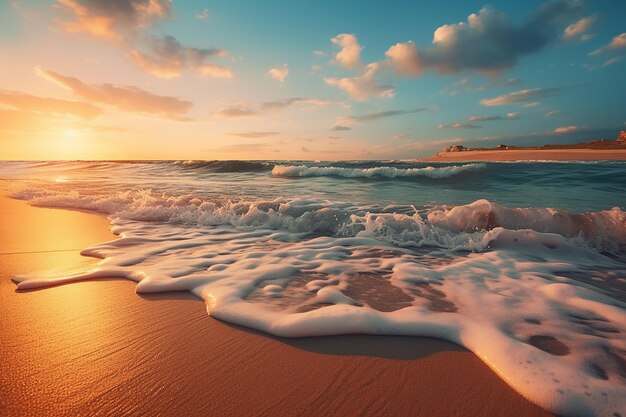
point(380, 172)
point(503, 297)
point(488, 277)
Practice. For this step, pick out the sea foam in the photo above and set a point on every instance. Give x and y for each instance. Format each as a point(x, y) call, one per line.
point(537, 293)
point(499, 301)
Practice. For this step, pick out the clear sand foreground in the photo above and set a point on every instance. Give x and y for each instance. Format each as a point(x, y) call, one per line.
point(532, 155)
point(97, 348)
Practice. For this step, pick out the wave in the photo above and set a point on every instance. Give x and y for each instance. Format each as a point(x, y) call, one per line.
point(455, 227)
point(556, 340)
point(294, 171)
point(226, 166)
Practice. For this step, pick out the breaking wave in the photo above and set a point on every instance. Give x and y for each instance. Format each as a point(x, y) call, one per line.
point(537, 293)
point(294, 171)
point(455, 227)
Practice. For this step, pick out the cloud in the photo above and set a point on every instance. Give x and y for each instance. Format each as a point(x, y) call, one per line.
point(122, 22)
point(369, 117)
point(254, 135)
point(566, 129)
point(520, 96)
point(579, 29)
point(279, 74)
point(474, 119)
point(338, 128)
point(33, 104)
point(552, 113)
point(405, 59)
point(203, 15)
point(237, 111)
point(319, 53)
point(168, 58)
point(114, 19)
point(362, 87)
point(458, 126)
point(350, 54)
point(465, 85)
point(508, 116)
point(288, 102)
point(129, 98)
point(488, 42)
point(244, 109)
point(617, 44)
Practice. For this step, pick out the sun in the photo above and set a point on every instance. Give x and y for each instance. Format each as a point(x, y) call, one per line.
point(70, 134)
point(70, 143)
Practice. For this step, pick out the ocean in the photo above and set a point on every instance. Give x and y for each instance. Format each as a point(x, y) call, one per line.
point(522, 263)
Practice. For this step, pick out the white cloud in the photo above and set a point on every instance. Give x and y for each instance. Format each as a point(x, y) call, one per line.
point(617, 44)
point(127, 98)
point(113, 20)
point(566, 129)
point(279, 73)
point(169, 58)
point(458, 126)
point(528, 95)
point(508, 116)
point(405, 58)
point(579, 29)
point(350, 54)
point(369, 117)
point(125, 23)
point(364, 86)
point(244, 109)
point(487, 42)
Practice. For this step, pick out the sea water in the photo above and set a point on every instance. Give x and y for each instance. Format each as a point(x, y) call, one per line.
point(522, 263)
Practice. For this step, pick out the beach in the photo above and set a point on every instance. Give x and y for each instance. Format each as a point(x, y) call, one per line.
point(97, 348)
point(530, 155)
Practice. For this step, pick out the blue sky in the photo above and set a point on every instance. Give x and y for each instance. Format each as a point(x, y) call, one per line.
point(118, 79)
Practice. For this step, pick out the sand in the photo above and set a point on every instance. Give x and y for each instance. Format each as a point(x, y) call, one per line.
point(97, 348)
point(532, 155)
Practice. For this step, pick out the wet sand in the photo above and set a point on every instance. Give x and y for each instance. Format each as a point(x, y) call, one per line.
point(531, 155)
point(97, 348)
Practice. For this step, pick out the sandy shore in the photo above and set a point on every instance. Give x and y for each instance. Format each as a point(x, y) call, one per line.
point(532, 155)
point(97, 348)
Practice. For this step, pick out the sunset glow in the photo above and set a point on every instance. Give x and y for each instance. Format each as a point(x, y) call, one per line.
point(313, 208)
point(241, 80)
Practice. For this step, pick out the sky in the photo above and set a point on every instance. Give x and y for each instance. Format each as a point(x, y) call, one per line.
point(308, 80)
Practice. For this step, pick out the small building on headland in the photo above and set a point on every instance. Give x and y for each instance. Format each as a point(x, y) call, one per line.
point(455, 148)
point(502, 147)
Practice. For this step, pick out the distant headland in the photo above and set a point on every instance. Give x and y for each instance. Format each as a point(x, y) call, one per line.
point(594, 150)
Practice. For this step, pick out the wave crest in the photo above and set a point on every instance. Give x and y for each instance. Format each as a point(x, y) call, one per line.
point(458, 227)
point(294, 171)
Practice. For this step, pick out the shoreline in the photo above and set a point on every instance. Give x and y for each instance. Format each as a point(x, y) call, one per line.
point(97, 348)
point(503, 155)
